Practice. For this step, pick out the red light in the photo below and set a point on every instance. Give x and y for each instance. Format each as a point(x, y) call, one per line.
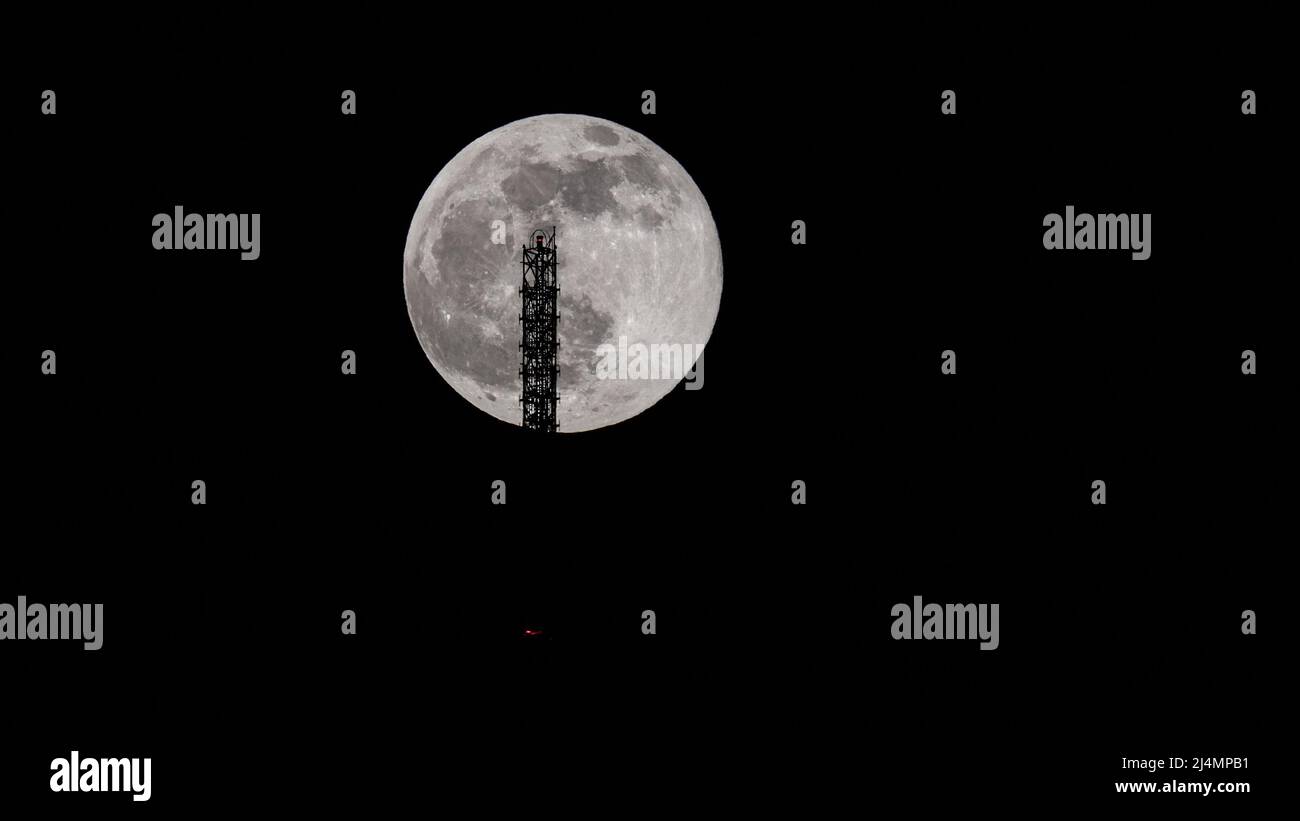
point(532, 632)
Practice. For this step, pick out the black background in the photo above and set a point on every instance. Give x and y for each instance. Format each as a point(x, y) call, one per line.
point(772, 683)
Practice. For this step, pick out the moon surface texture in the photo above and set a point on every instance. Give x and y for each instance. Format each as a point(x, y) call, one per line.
point(637, 254)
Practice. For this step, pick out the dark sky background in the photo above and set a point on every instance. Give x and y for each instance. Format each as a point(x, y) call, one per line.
point(772, 681)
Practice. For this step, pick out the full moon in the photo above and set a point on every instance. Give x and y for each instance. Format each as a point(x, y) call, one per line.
point(638, 262)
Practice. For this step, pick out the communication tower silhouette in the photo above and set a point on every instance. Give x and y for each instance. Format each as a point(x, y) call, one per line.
point(539, 343)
